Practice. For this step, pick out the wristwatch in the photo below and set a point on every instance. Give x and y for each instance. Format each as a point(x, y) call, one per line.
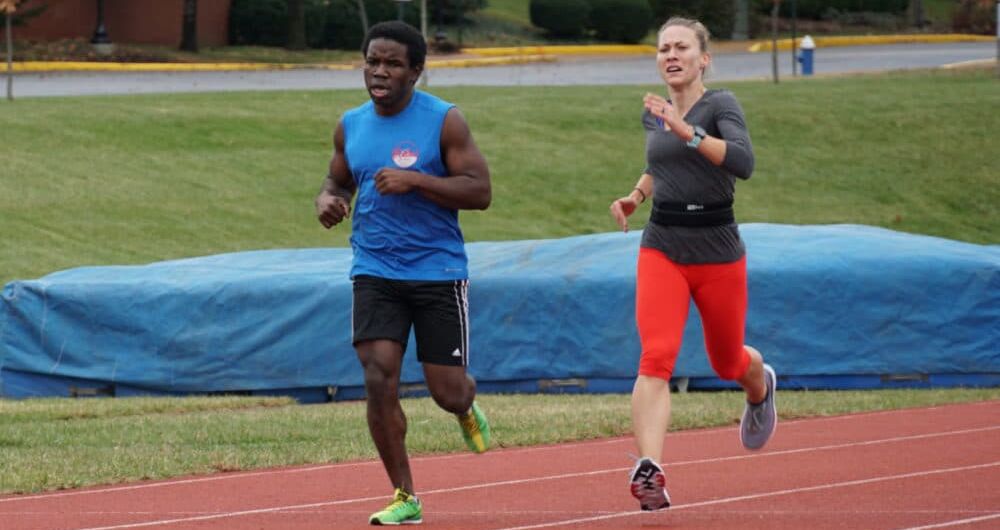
point(699, 135)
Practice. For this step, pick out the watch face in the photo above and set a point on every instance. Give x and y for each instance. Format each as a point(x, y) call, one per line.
point(699, 135)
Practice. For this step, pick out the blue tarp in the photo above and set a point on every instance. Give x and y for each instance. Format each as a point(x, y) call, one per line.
point(839, 300)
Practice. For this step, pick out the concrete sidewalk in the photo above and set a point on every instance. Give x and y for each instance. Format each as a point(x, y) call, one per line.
point(475, 57)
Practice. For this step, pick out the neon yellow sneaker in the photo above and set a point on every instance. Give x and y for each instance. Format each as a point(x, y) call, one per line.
point(404, 509)
point(475, 429)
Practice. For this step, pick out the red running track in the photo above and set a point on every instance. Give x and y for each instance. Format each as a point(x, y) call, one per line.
point(911, 469)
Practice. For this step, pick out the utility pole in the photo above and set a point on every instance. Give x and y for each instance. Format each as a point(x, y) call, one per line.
point(774, 39)
point(364, 15)
point(795, 60)
point(423, 31)
point(400, 9)
point(741, 23)
point(8, 7)
point(10, 53)
point(423, 19)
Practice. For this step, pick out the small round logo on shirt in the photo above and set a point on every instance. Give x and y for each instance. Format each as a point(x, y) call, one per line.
point(405, 154)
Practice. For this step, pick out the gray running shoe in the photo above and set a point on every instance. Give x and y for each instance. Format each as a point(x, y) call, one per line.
point(646, 482)
point(759, 420)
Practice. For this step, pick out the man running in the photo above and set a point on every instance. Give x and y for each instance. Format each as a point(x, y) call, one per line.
point(411, 159)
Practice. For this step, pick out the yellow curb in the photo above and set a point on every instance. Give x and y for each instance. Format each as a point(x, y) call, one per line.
point(864, 40)
point(562, 50)
point(490, 61)
point(68, 66)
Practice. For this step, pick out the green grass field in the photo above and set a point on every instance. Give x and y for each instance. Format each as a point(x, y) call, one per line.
point(61, 443)
point(123, 180)
point(512, 10)
point(134, 179)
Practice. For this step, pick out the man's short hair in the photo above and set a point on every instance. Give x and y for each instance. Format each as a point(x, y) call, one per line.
point(403, 33)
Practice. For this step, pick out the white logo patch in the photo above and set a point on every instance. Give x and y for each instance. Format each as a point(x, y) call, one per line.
point(405, 154)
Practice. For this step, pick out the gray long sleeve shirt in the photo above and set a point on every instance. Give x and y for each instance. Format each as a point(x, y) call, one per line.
point(681, 174)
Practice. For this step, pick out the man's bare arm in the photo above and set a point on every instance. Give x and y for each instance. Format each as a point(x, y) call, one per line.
point(333, 203)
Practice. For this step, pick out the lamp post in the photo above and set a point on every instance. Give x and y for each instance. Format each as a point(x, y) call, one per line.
point(100, 40)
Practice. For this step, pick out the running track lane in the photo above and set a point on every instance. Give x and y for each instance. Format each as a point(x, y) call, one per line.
point(911, 469)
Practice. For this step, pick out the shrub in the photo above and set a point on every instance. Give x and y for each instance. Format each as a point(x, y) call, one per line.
point(451, 11)
point(664, 9)
point(620, 20)
point(329, 23)
point(975, 16)
point(718, 16)
point(561, 18)
point(342, 29)
point(258, 22)
point(265, 22)
point(884, 21)
point(820, 9)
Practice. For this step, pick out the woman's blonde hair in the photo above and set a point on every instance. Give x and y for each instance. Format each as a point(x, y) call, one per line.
point(700, 31)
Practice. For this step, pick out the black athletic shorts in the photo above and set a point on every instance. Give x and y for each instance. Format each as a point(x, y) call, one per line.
point(438, 312)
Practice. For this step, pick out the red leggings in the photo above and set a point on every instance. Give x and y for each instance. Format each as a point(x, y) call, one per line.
point(663, 295)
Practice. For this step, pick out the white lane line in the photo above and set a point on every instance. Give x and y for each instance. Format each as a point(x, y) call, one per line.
point(564, 522)
point(566, 512)
point(516, 450)
point(790, 491)
point(210, 517)
point(515, 482)
point(956, 523)
point(834, 446)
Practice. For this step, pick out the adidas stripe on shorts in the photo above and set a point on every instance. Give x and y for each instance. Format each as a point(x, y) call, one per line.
point(437, 311)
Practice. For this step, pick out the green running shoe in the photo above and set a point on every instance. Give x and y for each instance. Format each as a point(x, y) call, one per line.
point(475, 429)
point(404, 509)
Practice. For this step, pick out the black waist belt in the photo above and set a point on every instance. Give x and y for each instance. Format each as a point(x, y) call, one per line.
point(692, 214)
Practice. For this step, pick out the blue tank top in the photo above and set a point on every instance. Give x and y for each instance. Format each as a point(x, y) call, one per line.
point(401, 237)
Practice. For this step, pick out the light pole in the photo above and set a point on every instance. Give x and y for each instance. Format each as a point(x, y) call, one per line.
point(100, 40)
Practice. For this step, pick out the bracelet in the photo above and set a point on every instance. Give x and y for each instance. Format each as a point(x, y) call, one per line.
point(637, 188)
